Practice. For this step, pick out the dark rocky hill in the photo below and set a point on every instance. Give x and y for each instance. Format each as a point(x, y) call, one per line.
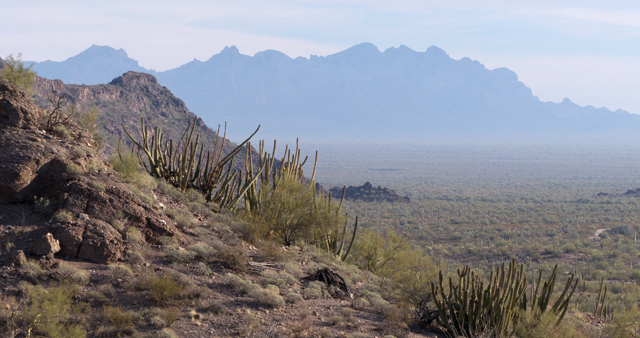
point(126, 100)
point(368, 193)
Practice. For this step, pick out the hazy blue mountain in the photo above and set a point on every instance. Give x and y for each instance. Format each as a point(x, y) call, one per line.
point(96, 65)
point(364, 95)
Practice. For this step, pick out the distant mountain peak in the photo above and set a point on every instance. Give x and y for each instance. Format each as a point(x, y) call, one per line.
point(364, 48)
point(104, 51)
point(230, 50)
point(437, 52)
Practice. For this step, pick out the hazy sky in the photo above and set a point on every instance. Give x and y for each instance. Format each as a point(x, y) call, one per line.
point(588, 51)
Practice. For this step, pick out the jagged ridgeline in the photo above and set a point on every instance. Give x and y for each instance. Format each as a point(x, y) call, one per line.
point(127, 99)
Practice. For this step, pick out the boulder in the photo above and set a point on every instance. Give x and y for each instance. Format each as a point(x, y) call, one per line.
point(45, 245)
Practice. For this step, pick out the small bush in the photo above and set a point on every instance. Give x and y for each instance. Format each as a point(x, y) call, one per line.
point(203, 269)
point(313, 290)
point(33, 270)
point(179, 255)
point(247, 325)
point(61, 132)
point(17, 74)
point(120, 319)
point(293, 297)
point(48, 311)
point(135, 257)
point(120, 271)
point(45, 206)
point(234, 258)
point(89, 121)
point(73, 275)
point(63, 216)
point(279, 279)
point(536, 326)
point(134, 236)
point(74, 170)
point(162, 289)
point(183, 220)
point(167, 333)
point(268, 297)
point(97, 298)
point(203, 251)
point(126, 164)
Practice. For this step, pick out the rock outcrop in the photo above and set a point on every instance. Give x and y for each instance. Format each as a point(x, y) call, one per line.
point(46, 245)
point(368, 193)
point(66, 170)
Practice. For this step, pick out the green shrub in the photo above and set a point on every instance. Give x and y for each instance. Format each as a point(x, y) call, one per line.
point(279, 279)
point(89, 121)
point(120, 271)
point(162, 289)
point(126, 164)
point(33, 270)
point(61, 132)
point(292, 297)
point(134, 236)
point(167, 333)
point(287, 209)
point(48, 312)
point(536, 326)
point(203, 251)
point(17, 74)
point(62, 216)
point(203, 269)
point(179, 255)
point(74, 170)
point(73, 275)
point(45, 206)
point(247, 325)
point(212, 306)
point(120, 319)
point(183, 219)
point(234, 258)
point(268, 296)
point(314, 290)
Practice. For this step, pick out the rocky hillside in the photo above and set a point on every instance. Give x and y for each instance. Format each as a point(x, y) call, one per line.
point(126, 100)
point(63, 173)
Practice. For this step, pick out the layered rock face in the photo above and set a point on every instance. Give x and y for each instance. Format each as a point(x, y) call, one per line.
point(36, 164)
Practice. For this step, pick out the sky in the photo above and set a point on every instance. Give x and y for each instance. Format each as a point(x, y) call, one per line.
point(588, 51)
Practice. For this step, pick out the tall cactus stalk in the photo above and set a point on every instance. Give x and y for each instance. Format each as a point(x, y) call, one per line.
point(471, 307)
point(601, 309)
point(186, 166)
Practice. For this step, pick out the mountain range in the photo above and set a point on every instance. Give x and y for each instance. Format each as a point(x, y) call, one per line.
point(361, 94)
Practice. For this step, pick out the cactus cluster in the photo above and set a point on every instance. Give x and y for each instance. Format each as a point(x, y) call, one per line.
point(186, 166)
point(471, 307)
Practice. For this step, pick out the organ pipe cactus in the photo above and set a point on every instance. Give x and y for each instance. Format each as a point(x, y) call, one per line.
point(186, 166)
point(601, 308)
point(472, 307)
